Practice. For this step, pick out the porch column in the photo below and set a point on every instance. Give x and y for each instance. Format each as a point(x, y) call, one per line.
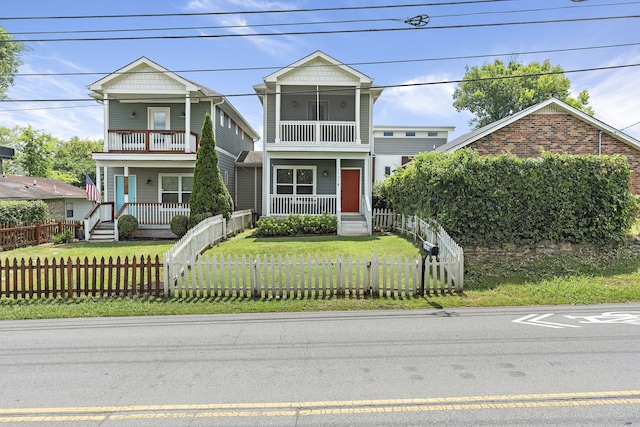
point(358, 141)
point(188, 148)
point(105, 195)
point(99, 182)
point(338, 187)
point(105, 110)
point(126, 184)
point(266, 184)
point(278, 102)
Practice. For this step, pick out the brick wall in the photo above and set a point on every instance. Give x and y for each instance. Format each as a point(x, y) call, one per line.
point(557, 133)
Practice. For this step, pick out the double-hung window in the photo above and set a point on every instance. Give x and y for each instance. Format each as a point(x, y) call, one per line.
point(296, 180)
point(176, 188)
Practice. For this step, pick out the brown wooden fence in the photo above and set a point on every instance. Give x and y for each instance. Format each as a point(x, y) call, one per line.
point(30, 279)
point(19, 236)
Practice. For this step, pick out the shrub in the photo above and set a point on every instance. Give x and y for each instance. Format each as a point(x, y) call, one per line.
point(127, 224)
point(179, 225)
point(23, 212)
point(65, 237)
point(297, 225)
point(484, 200)
point(198, 218)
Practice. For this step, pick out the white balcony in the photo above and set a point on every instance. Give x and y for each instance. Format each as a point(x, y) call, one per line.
point(150, 140)
point(318, 132)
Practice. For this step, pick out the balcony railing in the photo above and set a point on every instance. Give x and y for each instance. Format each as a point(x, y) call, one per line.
point(301, 205)
point(318, 132)
point(150, 140)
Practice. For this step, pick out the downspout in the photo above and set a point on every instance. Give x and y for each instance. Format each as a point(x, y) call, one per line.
point(600, 143)
point(215, 117)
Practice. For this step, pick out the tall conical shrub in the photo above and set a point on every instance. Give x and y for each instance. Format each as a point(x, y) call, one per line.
point(209, 195)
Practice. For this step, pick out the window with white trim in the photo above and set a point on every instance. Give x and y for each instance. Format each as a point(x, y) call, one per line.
point(318, 110)
point(175, 188)
point(221, 118)
point(295, 180)
point(69, 210)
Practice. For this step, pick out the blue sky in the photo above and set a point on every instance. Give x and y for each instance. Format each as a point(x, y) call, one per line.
point(615, 93)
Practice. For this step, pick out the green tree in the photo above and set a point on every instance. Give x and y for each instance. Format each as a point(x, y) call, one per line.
point(72, 159)
point(34, 151)
point(495, 90)
point(9, 60)
point(209, 195)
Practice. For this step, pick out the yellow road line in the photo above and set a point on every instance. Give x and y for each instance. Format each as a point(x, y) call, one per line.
point(316, 408)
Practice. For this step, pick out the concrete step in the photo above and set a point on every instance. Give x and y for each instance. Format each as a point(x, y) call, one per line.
point(354, 226)
point(104, 232)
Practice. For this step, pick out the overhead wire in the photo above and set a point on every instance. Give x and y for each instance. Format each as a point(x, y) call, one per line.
point(253, 12)
point(296, 33)
point(350, 64)
point(289, 24)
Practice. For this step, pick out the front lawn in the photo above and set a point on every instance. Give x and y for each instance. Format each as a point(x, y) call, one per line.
point(607, 277)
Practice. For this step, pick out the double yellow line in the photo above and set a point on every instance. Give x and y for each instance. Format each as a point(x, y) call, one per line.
point(302, 409)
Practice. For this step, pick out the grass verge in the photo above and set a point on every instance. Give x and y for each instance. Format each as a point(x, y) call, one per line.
point(608, 277)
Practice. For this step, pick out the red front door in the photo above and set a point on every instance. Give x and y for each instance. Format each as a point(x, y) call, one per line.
point(350, 183)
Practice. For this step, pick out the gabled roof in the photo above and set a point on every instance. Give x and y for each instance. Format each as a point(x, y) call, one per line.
point(144, 62)
point(553, 103)
point(14, 187)
point(323, 57)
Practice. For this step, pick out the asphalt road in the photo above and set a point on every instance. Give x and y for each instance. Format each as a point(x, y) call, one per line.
point(527, 366)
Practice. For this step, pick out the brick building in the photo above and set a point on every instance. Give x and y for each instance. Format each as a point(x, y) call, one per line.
point(552, 126)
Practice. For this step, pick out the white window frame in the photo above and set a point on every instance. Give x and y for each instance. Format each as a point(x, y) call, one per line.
point(150, 121)
point(221, 118)
point(179, 191)
point(295, 169)
point(66, 210)
point(315, 104)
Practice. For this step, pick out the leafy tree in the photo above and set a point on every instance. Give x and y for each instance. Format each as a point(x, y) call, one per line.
point(209, 194)
point(72, 159)
point(9, 60)
point(495, 90)
point(34, 151)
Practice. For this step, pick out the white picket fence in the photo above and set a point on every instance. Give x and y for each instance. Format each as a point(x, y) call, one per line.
point(451, 254)
point(189, 274)
point(299, 276)
point(198, 239)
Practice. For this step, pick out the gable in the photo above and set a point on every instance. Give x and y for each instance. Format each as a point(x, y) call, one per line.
point(318, 71)
point(144, 78)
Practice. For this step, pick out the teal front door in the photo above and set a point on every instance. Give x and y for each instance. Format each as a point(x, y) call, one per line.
point(120, 190)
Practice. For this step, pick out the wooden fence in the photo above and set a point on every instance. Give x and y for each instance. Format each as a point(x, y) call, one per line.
point(29, 279)
point(309, 276)
point(27, 235)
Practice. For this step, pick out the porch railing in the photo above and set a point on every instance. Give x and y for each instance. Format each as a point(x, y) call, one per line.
point(318, 132)
point(302, 205)
point(149, 140)
point(154, 213)
point(101, 212)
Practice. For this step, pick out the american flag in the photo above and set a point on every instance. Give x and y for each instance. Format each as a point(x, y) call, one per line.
point(91, 190)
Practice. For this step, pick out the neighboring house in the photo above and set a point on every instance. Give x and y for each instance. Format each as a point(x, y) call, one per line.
point(318, 141)
point(152, 123)
point(65, 202)
point(553, 126)
point(394, 146)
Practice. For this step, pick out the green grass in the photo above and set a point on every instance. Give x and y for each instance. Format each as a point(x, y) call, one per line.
point(607, 277)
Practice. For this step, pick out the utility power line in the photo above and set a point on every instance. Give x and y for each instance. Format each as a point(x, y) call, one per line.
point(253, 12)
point(174, 98)
point(350, 64)
point(290, 24)
point(294, 33)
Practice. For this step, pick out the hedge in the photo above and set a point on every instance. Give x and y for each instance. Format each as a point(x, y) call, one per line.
point(505, 199)
point(23, 212)
point(294, 225)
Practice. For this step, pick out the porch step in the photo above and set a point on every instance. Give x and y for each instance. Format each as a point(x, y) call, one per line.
point(353, 225)
point(104, 232)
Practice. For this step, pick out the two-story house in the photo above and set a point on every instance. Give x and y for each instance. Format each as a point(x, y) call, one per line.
point(395, 146)
point(152, 123)
point(318, 141)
